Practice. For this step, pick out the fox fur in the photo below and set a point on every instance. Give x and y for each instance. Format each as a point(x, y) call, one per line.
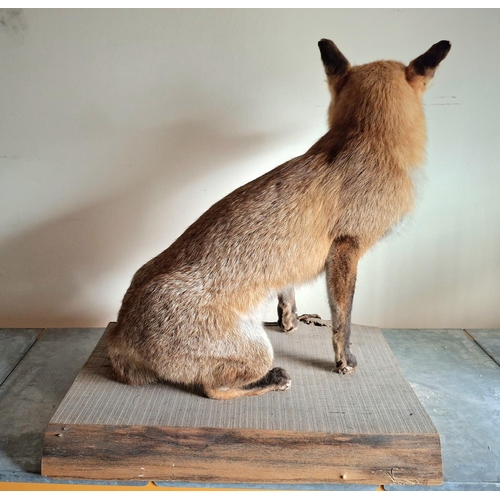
point(191, 314)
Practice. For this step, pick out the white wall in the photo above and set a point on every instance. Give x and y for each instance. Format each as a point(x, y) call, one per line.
point(119, 127)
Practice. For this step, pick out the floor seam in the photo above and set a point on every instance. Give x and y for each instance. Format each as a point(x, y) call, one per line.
point(22, 357)
point(481, 347)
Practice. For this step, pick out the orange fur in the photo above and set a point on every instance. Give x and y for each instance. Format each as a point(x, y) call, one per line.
point(190, 315)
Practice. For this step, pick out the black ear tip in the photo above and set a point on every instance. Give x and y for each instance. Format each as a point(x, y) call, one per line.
point(442, 46)
point(334, 61)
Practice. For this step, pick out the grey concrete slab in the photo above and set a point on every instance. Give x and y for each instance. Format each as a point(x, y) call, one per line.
point(32, 392)
point(14, 344)
point(489, 341)
point(457, 382)
point(459, 385)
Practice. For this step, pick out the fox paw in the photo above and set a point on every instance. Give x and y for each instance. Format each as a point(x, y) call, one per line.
point(288, 323)
point(280, 378)
point(312, 319)
point(347, 367)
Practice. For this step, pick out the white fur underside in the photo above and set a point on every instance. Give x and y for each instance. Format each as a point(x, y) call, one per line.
point(251, 324)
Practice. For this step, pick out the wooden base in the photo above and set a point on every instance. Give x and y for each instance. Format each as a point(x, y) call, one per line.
point(367, 427)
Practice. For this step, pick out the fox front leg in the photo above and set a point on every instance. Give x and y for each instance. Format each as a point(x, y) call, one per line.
point(341, 269)
point(287, 310)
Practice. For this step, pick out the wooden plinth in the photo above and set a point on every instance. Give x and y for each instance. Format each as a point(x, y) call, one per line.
point(366, 428)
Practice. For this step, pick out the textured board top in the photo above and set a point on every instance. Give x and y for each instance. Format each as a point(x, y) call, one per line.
point(374, 399)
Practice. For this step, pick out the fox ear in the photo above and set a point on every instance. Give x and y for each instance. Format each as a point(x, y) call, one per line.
point(422, 68)
point(336, 65)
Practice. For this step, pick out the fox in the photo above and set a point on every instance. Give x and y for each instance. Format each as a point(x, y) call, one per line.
point(192, 315)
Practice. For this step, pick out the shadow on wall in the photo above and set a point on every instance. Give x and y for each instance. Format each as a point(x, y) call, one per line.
point(70, 271)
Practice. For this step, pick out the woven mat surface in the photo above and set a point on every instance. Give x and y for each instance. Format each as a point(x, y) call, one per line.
point(374, 399)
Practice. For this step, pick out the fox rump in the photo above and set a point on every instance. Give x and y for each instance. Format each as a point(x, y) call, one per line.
point(191, 314)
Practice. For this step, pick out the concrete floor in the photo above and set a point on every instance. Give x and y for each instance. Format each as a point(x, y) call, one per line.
point(455, 374)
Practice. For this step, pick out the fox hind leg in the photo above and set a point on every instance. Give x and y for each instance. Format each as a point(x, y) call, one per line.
point(276, 379)
point(246, 369)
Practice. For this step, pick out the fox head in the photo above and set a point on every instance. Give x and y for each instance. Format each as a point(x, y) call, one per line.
point(380, 99)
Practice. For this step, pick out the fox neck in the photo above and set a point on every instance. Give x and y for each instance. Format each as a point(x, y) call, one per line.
point(382, 130)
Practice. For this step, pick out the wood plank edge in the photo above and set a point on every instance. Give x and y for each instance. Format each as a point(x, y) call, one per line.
point(100, 452)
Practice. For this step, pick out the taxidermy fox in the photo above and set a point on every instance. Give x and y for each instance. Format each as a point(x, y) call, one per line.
point(191, 314)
